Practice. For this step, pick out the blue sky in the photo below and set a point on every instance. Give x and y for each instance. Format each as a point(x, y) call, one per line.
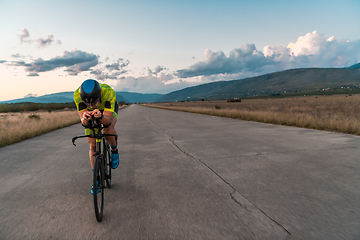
point(162, 46)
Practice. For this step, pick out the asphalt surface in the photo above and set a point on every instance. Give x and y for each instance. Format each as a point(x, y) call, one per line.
point(185, 176)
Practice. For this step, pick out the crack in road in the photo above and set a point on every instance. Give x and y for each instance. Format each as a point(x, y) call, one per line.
point(235, 195)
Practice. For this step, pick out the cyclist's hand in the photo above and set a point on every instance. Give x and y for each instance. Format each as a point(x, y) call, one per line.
point(87, 115)
point(96, 113)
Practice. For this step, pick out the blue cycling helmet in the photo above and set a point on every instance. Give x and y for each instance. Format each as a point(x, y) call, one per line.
point(90, 91)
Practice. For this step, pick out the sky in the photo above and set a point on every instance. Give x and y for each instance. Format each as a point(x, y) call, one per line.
point(164, 45)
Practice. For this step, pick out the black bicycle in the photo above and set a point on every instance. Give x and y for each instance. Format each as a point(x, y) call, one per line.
point(102, 166)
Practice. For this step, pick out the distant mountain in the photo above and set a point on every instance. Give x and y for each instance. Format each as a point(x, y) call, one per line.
point(49, 98)
point(140, 97)
point(62, 97)
point(355, 65)
point(294, 80)
point(120, 98)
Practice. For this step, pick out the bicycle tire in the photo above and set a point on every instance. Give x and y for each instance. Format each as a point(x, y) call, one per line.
point(107, 164)
point(98, 190)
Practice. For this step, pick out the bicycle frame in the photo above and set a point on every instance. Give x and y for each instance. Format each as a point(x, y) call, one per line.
point(99, 176)
point(96, 128)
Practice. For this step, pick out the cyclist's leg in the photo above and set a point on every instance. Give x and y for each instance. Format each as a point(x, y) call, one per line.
point(111, 130)
point(92, 144)
point(113, 142)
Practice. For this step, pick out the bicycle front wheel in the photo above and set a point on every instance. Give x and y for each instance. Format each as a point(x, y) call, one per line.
point(98, 185)
point(107, 164)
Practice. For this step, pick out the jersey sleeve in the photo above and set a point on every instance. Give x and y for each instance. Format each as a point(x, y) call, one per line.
point(110, 99)
point(80, 105)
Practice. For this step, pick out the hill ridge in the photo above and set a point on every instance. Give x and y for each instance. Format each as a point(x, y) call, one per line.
point(287, 81)
point(63, 97)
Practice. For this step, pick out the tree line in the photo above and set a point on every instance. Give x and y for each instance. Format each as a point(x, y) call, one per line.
point(30, 106)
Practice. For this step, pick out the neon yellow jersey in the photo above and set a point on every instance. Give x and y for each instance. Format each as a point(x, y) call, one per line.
point(107, 100)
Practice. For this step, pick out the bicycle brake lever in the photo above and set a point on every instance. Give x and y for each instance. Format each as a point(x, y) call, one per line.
point(73, 141)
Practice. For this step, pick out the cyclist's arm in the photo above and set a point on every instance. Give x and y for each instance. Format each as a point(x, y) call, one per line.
point(85, 116)
point(110, 99)
point(105, 117)
point(84, 113)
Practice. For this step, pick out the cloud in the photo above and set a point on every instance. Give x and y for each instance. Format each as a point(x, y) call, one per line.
point(119, 64)
point(30, 95)
point(33, 75)
point(149, 84)
point(103, 75)
point(111, 71)
point(17, 56)
point(155, 80)
point(41, 42)
point(320, 51)
point(24, 34)
point(245, 58)
point(75, 62)
point(165, 77)
point(156, 70)
point(311, 50)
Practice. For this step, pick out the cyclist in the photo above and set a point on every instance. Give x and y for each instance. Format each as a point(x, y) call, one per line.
point(98, 100)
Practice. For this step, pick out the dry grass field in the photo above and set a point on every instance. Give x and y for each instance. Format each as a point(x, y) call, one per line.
point(18, 126)
point(340, 113)
point(15, 127)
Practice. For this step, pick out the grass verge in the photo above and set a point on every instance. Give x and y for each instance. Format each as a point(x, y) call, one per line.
point(16, 127)
point(331, 113)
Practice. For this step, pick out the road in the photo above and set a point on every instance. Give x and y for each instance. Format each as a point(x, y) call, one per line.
point(186, 176)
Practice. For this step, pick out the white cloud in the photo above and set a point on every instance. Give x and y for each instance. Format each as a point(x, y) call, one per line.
point(149, 84)
point(165, 77)
point(310, 44)
point(111, 71)
point(311, 50)
point(243, 59)
point(119, 64)
point(322, 52)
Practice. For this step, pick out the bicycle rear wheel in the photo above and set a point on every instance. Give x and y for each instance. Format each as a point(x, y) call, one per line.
point(107, 164)
point(98, 185)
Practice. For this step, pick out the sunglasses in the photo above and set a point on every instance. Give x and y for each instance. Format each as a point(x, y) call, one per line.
point(93, 102)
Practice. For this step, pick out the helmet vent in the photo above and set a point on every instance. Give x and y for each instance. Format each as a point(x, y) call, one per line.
point(88, 86)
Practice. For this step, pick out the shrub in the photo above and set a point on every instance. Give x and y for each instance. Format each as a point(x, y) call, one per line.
point(34, 116)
